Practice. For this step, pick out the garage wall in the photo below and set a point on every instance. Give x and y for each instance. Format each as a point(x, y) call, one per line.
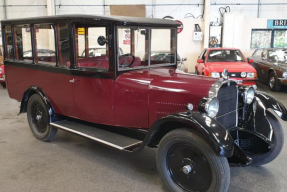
point(237, 31)
point(186, 46)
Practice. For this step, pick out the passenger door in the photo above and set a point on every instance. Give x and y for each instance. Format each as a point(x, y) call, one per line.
point(201, 66)
point(263, 66)
point(93, 81)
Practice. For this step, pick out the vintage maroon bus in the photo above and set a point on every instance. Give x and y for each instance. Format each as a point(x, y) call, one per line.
point(117, 93)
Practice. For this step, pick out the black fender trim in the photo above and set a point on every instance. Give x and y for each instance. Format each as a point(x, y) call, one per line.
point(269, 102)
point(213, 132)
point(28, 93)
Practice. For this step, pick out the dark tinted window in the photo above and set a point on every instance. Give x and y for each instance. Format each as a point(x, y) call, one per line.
point(9, 44)
point(63, 44)
point(277, 55)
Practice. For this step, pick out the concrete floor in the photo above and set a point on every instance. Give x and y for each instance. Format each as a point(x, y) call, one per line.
point(72, 163)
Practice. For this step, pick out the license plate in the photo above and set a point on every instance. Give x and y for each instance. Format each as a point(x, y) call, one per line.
point(239, 81)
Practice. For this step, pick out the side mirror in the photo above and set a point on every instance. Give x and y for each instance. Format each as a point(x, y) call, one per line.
point(200, 61)
point(250, 60)
point(183, 59)
point(102, 40)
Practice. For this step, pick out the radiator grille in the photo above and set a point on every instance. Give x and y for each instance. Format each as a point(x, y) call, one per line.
point(227, 113)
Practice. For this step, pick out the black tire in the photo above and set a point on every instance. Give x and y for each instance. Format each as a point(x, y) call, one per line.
point(196, 72)
point(3, 85)
point(38, 119)
point(209, 172)
point(273, 83)
point(277, 140)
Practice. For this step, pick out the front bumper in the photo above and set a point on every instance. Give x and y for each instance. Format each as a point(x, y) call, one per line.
point(282, 81)
point(2, 78)
point(245, 81)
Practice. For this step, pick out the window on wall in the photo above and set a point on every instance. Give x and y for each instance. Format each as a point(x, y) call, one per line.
point(269, 38)
point(63, 44)
point(90, 54)
point(280, 39)
point(261, 38)
point(22, 38)
point(9, 43)
point(44, 44)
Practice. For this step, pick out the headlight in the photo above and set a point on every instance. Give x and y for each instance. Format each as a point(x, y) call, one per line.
point(284, 75)
point(249, 95)
point(211, 107)
point(1, 70)
point(243, 74)
point(215, 74)
point(250, 75)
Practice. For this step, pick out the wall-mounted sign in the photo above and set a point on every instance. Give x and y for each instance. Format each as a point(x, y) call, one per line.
point(277, 23)
point(179, 28)
point(127, 37)
point(81, 31)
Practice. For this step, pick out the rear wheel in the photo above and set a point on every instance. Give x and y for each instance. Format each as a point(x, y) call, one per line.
point(187, 163)
point(3, 85)
point(38, 119)
point(277, 140)
point(272, 82)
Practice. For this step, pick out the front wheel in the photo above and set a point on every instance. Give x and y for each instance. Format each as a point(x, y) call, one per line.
point(38, 119)
point(3, 85)
point(187, 163)
point(277, 140)
point(272, 82)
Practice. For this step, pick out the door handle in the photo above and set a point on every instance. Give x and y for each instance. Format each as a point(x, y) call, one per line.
point(72, 81)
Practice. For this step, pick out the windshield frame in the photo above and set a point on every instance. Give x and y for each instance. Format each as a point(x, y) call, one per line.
point(242, 55)
point(149, 48)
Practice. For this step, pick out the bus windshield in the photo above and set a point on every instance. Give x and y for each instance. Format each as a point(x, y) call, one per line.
point(144, 47)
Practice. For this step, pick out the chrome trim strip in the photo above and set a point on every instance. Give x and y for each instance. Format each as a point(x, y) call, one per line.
point(132, 144)
point(88, 136)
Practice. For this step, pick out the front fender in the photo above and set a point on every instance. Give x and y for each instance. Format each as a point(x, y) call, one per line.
point(213, 132)
point(268, 102)
point(256, 115)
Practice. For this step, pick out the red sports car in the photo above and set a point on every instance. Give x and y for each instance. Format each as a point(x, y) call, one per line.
point(2, 76)
point(213, 61)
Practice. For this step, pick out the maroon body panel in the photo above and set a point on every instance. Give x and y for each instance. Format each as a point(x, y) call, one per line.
point(94, 99)
point(55, 85)
point(143, 96)
point(135, 99)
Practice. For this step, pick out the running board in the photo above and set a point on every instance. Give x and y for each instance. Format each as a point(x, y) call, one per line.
point(111, 139)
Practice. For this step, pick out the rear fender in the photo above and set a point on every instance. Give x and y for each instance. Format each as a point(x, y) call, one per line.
point(211, 131)
point(35, 90)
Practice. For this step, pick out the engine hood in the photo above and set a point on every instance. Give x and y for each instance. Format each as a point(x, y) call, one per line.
point(157, 92)
point(168, 80)
point(231, 66)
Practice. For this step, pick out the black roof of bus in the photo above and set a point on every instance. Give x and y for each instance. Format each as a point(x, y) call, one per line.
point(117, 19)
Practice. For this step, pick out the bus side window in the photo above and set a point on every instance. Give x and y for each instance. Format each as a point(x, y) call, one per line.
point(63, 44)
point(45, 44)
point(23, 46)
point(9, 43)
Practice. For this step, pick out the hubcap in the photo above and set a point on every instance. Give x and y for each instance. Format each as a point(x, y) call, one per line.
point(272, 82)
point(188, 168)
point(39, 117)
